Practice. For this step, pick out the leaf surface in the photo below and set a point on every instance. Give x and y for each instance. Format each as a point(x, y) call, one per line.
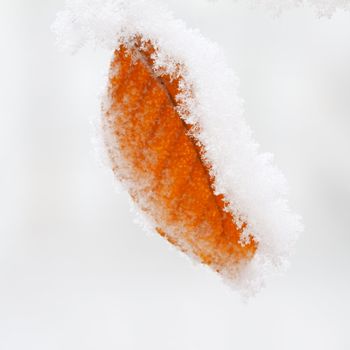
point(161, 164)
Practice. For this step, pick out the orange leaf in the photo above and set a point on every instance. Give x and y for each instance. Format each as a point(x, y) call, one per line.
point(161, 164)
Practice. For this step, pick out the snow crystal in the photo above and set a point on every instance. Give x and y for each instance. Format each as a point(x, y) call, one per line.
point(323, 7)
point(248, 179)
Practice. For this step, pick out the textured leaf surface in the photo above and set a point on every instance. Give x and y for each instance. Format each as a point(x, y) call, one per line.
point(153, 153)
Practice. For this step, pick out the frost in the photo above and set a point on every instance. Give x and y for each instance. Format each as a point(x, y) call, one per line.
point(248, 179)
point(322, 7)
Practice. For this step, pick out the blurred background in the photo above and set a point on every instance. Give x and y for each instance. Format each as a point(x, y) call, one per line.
point(77, 273)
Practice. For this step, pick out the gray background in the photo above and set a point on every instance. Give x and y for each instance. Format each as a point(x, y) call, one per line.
point(77, 273)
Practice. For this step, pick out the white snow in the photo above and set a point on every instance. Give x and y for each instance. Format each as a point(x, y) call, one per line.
point(254, 187)
point(322, 7)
